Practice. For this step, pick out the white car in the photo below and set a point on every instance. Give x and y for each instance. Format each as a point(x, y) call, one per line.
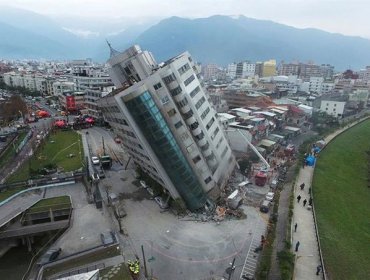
point(270, 196)
point(143, 184)
point(95, 160)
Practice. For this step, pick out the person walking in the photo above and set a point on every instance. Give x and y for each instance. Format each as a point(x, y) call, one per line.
point(318, 269)
point(299, 198)
point(304, 202)
point(297, 246)
point(295, 227)
point(302, 186)
point(310, 201)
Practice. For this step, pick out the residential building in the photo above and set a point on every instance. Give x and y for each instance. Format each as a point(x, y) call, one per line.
point(334, 108)
point(168, 126)
point(289, 69)
point(269, 68)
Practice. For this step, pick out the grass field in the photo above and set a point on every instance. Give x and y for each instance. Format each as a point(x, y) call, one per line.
point(342, 199)
point(55, 150)
point(85, 260)
point(54, 203)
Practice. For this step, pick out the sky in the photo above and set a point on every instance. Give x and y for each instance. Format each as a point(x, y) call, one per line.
point(348, 17)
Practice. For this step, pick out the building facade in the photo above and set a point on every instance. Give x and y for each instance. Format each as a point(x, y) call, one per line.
point(168, 126)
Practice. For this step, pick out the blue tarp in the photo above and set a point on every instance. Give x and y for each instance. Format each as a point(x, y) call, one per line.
point(316, 149)
point(310, 160)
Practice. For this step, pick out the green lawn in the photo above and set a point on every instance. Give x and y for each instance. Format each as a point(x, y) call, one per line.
point(82, 261)
point(55, 150)
point(9, 193)
point(54, 203)
point(342, 199)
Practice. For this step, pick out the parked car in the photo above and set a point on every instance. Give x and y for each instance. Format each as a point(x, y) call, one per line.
point(95, 160)
point(265, 206)
point(270, 196)
point(49, 256)
point(107, 238)
point(162, 204)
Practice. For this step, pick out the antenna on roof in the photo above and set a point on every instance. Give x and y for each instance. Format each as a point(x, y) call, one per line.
point(113, 52)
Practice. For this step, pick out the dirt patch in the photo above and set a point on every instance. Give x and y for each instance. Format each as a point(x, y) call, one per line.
point(138, 195)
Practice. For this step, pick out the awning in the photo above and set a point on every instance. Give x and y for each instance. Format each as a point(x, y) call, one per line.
point(291, 128)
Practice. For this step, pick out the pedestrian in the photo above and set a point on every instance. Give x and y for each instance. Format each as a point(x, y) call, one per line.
point(295, 227)
point(297, 246)
point(299, 198)
point(310, 201)
point(318, 269)
point(309, 190)
point(304, 202)
point(302, 186)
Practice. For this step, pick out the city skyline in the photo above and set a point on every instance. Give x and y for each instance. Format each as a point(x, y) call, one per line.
point(328, 15)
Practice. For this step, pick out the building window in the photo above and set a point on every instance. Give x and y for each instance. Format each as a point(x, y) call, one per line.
point(157, 86)
point(170, 78)
point(194, 125)
point(182, 103)
point(196, 159)
point(205, 113)
point(184, 68)
point(165, 100)
point(209, 124)
point(187, 115)
point(178, 124)
point(176, 91)
point(194, 92)
point(200, 102)
point(189, 80)
point(215, 133)
point(171, 112)
point(208, 179)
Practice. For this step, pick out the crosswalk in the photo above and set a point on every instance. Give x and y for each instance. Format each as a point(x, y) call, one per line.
point(251, 260)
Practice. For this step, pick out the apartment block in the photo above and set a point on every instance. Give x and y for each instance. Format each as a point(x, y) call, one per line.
point(168, 126)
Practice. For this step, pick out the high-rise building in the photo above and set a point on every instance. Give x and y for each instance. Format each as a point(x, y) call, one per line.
point(168, 126)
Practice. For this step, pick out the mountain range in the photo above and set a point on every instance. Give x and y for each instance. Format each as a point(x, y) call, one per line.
point(216, 39)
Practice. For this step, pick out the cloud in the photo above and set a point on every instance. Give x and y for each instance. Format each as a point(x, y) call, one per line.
point(347, 17)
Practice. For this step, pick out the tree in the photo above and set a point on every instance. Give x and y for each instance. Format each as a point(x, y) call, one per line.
point(13, 108)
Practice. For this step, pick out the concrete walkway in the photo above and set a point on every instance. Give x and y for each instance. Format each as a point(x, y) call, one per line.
point(307, 256)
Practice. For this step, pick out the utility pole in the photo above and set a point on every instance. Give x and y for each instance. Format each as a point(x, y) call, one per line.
point(145, 271)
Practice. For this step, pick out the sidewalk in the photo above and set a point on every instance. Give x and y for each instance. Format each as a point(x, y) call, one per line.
point(307, 256)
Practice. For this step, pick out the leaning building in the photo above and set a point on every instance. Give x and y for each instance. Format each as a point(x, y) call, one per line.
point(168, 126)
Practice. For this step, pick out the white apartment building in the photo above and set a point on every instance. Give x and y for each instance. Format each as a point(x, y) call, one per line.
point(60, 87)
point(241, 70)
point(231, 70)
point(334, 108)
point(318, 85)
point(168, 126)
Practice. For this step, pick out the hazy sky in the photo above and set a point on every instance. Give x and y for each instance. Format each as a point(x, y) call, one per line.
point(348, 17)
